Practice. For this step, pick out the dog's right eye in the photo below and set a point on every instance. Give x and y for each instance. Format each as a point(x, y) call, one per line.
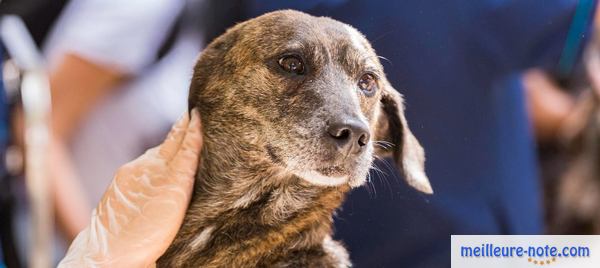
point(292, 64)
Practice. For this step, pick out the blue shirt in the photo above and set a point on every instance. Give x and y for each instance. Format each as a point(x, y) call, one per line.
point(457, 63)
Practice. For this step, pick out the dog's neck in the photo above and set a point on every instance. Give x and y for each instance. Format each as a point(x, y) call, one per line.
point(247, 203)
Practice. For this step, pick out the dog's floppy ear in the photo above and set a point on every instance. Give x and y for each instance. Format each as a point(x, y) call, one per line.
point(406, 150)
point(213, 63)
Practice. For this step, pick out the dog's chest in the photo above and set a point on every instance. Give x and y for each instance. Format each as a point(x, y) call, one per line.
point(268, 229)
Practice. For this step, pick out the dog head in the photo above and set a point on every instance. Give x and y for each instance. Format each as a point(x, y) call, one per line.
point(309, 95)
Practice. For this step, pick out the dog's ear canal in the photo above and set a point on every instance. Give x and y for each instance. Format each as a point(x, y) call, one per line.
point(395, 139)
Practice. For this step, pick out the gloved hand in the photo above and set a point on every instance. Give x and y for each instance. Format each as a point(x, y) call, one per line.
point(143, 208)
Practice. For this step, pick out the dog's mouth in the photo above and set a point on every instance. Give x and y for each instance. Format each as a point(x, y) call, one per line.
point(320, 173)
point(318, 178)
point(327, 176)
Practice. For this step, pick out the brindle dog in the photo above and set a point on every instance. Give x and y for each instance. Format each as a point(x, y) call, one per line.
point(292, 107)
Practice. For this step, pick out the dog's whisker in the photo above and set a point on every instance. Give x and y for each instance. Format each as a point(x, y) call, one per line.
point(387, 164)
point(370, 177)
point(383, 144)
point(389, 167)
point(386, 59)
point(383, 176)
point(381, 173)
point(375, 168)
point(368, 184)
point(373, 193)
point(386, 143)
point(382, 36)
point(383, 179)
point(387, 175)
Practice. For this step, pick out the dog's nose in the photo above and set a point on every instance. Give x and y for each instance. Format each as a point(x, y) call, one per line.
point(349, 135)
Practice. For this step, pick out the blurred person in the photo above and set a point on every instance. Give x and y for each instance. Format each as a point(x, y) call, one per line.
point(111, 98)
point(119, 74)
point(565, 118)
point(551, 106)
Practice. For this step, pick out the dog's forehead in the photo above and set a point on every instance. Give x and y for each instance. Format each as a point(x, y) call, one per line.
point(334, 34)
point(293, 28)
point(357, 40)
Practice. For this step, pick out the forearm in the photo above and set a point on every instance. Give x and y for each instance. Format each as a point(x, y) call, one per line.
point(548, 105)
point(72, 209)
point(77, 86)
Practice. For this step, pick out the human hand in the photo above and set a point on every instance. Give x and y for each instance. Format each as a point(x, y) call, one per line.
point(144, 206)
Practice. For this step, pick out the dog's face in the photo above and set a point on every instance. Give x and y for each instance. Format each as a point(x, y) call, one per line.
point(309, 94)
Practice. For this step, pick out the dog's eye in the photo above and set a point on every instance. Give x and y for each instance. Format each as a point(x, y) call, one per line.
point(292, 64)
point(368, 84)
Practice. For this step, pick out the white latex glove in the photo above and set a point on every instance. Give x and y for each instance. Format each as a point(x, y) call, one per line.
point(143, 208)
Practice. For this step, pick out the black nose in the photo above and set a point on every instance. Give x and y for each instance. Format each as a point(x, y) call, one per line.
point(349, 135)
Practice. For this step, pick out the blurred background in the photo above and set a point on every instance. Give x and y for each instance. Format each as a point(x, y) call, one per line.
point(503, 95)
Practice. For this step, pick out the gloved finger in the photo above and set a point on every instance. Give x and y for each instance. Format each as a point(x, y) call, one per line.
point(170, 146)
point(186, 158)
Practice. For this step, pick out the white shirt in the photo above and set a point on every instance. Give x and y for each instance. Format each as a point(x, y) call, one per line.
point(125, 35)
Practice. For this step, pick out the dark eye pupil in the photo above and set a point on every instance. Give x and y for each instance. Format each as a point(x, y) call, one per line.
point(292, 64)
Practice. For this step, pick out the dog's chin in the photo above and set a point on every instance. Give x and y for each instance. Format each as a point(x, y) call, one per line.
point(357, 181)
point(317, 178)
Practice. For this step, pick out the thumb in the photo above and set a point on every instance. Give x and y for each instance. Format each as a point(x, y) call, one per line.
point(187, 157)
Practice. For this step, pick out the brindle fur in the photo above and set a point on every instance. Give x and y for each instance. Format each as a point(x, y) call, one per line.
point(262, 124)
